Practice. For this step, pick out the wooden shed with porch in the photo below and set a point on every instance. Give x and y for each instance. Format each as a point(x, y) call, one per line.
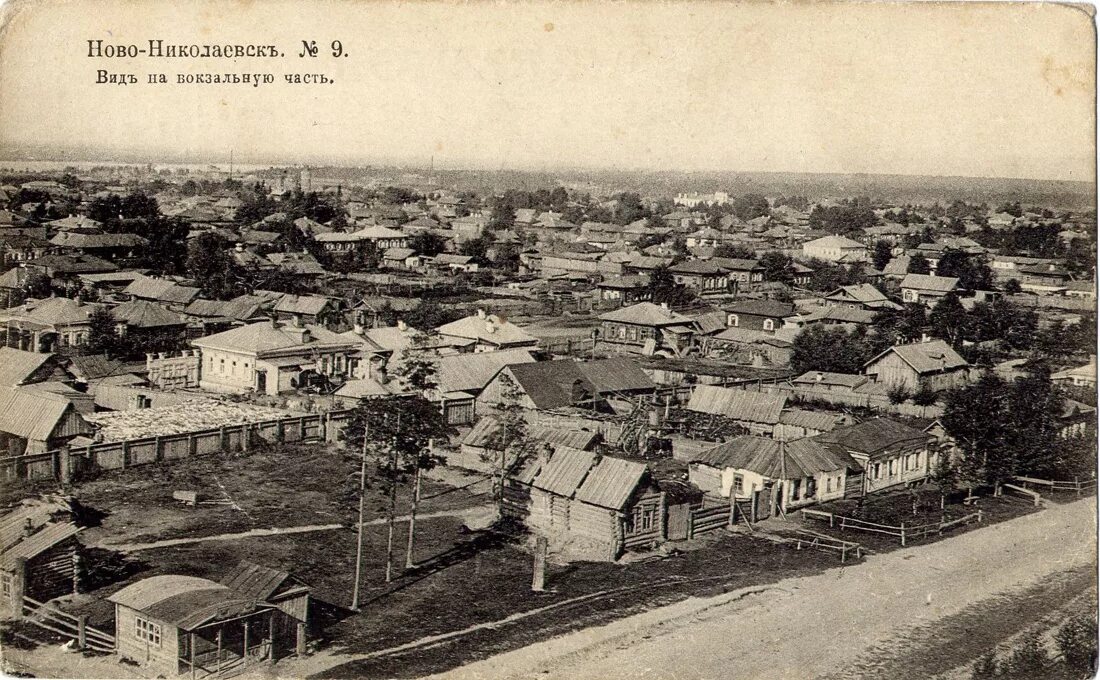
point(288, 593)
point(171, 625)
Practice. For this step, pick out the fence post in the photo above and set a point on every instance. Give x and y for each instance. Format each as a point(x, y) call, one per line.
point(302, 428)
point(979, 515)
point(81, 634)
point(222, 439)
point(832, 517)
point(903, 534)
point(538, 578)
point(191, 445)
point(1077, 484)
point(65, 471)
point(733, 509)
point(158, 449)
point(246, 436)
point(662, 517)
point(18, 582)
point(125, 454)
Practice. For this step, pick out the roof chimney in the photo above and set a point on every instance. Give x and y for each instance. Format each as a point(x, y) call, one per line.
point(402, 326)
point(481, 313)
point(273, 321)
point(490, 327)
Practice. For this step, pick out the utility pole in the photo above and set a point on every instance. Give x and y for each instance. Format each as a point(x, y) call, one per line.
point(359, 539)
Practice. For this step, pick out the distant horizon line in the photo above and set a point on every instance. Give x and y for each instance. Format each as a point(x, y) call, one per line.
point(146, 159)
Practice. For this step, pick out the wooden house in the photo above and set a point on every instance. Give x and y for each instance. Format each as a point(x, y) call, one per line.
point(647, 328)
point(621, 291)
point(587, 507)
point(889, 453)
point(926, 289)
point(39, 553)
point(757, 315)
point(774, 476)
point(921, 365)
point(171, 625)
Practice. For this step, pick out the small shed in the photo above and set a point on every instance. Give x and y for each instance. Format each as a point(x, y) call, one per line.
point(170, 625)
point(39, 555)
point(588, 507)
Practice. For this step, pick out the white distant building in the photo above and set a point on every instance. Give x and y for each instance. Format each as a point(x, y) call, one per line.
point(835, 249)
point(695, 199)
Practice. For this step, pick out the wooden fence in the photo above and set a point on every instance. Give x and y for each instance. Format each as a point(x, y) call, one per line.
point(901, 531)
point(828, 543)
point(62, 464)
point(75, 627)
point(1050, 485)
point(704, 520)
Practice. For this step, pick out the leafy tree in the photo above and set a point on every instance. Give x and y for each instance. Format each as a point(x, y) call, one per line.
point(209, 263)
point(900, 326)
point(777, 266)
point(427, 243)
point(882, 255)
point(975, 417)
point(37, 285)
point(898, 394)
point(750, 206)
point(848, 217)
point(663, 289)
point(918, 264)
point(511, 445)
point(1012, 287)
point(395, 442)
point(835, 350)
point(972, 273)
point(949, 320)
point(477, 248)
point(102, 333)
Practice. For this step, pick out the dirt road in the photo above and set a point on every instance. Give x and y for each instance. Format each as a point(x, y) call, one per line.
point(812, 626)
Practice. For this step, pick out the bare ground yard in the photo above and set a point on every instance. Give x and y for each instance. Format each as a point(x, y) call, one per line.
point(287, 486)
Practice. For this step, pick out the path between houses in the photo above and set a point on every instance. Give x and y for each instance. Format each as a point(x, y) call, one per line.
point(475, 517)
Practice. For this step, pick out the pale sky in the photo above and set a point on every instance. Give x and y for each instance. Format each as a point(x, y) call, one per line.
point(970, 89)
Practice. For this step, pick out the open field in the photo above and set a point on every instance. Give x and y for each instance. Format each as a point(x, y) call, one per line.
point(292, 485)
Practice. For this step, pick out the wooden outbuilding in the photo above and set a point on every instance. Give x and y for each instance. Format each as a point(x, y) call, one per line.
point(39, 555)
point(588, 507)
point(171, 625)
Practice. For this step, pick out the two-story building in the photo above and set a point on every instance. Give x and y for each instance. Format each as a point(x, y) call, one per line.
point(704, 276)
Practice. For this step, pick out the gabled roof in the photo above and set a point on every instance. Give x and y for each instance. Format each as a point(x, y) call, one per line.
point(925, 357)
point(257, 582)
point(145, 314)
point(75, 239)
point(552, 384)
point(164, 290)
point(753, 407)
point(489, 328)
point(186, 602)
point(259, 338)
point(774, 459)
point(616, 375)
point(872, 436)
point(33, 414)
point(302, 304)
point(472, 372)
point(939, 284)
point(563, 473)
point(17, 366)
point(864, 292)
point(834, 242)
point(646, 314)
point(611, 483)
point(697, 267)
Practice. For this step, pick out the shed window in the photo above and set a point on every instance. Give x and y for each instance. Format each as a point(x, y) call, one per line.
point(738, 484)
point(769, 324)
point(6, 586)
point(733, 321)
point(147, 631)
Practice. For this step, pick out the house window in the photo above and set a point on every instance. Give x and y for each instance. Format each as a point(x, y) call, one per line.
point(622, 332)
point(877, 471)
point(796, 489)
point(6, 586)
point(828, 485)
point(893, 467)
point(738, 484)
point(633, 333)
point(147, 631)
point(733, 321)
point(769, 324)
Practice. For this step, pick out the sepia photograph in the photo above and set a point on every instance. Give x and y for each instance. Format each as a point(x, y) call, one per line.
point(576, 340)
